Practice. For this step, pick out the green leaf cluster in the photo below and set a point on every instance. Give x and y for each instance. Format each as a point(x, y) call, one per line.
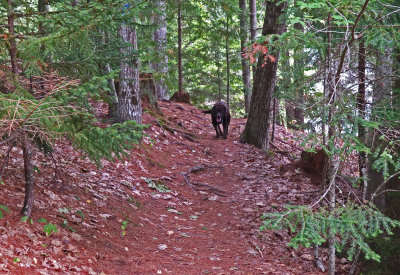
point(352, 225)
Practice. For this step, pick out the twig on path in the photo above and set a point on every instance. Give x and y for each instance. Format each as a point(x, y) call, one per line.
point(208, 188)
point(202, 167)
point(197, 168)
point(185, 178)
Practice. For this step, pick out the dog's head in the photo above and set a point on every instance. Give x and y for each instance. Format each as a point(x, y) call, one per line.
point(218, 117)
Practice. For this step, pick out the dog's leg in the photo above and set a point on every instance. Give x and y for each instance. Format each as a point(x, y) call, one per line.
point(216, 126)
point(220, 132)
point(226, 126)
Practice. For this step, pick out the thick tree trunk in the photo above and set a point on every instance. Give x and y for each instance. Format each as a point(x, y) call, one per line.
point(256, 131)
point(29, 182)
point(180, 75)
point(129, 103)
point(160, 39)
point(245, 65)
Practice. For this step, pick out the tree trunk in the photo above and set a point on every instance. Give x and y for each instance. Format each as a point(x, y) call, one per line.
point(253, 28)
point(381, 100)
point(112, 95)
point(245, 65)
point(217, 56)
point(298, 76)
point(180, 76)
point(227, 62)
point(160, 39)
point(12, 48)
point(256, 131)
point(129, 103)
point(362, 158)
point(274, 119)
point(331, 164)
point(29, 182)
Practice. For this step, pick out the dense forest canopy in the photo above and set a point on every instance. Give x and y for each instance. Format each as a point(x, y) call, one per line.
point(328, 68)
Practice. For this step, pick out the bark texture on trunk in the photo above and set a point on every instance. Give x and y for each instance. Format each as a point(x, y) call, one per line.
point(29, 182)
point(362, 158)
point(228, 92)
point(381, 100)
point(180, 75)
point(12, 48)
point(298, 79)
point(256, 131)
point(245, 65)
point(129, 105)
point(160, 39)
point(253, 27)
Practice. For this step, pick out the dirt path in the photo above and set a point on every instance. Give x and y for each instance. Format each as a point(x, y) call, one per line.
point(206, 225)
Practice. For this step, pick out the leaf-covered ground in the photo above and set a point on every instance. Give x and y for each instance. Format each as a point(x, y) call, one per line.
point(184, 203)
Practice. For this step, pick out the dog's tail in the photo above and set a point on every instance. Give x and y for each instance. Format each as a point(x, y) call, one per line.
point(207, 111)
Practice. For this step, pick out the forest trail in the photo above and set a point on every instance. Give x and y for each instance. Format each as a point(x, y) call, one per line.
point(118, 220)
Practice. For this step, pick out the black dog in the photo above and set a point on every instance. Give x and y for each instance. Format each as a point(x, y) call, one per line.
point(220, 115)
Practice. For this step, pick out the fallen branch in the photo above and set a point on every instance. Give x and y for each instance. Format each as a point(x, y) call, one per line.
point(208, 188)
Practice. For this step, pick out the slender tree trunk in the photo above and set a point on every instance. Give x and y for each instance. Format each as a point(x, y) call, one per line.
point(253, 28)
point(160, 39)
point(129, 103)
point(298, 79)
point(257, 127)
point(245, 65)
point(381, 100)
point(43, 6)
point(227, 62)
point(29, 182)
point(217, 56)
point(331, 164)
point(362, 158)
point(112, 95)
point(12, 42)
point(180, 76)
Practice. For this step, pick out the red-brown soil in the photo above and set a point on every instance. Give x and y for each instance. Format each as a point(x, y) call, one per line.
point(207, 225)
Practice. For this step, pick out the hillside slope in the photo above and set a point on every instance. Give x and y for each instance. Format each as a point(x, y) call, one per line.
point(184, 203)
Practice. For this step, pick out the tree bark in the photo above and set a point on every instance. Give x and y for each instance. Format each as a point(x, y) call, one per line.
point(180, 76)
point(245, 65)
point(227, 62)
point(257, 127)
point(381, 100)
point(362, 158)
point(160, 39)
point(253, 28)
point(129, 105)
point(29, 181)
point(298, 79)
point(12, 48)
point(217, 57)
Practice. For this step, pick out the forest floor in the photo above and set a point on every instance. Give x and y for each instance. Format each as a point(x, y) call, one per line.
point(183, 203)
